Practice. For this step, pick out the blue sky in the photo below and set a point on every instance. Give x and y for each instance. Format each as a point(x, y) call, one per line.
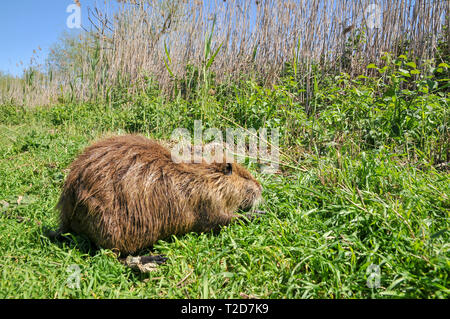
point(26, 25)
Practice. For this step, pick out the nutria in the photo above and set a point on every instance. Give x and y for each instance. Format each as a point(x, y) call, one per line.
point(125, 193)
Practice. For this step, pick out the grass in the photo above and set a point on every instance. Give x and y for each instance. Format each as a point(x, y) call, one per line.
point(326, 225)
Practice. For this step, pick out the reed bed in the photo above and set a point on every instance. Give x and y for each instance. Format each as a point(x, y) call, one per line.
point(131, 45)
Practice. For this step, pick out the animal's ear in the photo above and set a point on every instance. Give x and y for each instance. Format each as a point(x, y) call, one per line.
point(224, 168)
point(228, 168)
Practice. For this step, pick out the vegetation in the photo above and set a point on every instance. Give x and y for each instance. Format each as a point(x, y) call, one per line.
point(363, 180)
point(136, 44)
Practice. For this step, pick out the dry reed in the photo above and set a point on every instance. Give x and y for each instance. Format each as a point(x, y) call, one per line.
point(158, 39)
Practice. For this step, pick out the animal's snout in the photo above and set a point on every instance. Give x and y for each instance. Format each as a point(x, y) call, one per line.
point(253, 199)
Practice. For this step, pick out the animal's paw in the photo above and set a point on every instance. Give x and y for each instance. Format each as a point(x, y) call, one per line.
point(145, 263)
point(157, 259)
point(254, 214)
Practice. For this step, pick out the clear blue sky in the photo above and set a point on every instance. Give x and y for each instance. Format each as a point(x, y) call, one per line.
point(26, 25)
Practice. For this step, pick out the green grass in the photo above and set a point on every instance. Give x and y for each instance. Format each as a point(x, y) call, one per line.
point(366, 183)
point(325, 226)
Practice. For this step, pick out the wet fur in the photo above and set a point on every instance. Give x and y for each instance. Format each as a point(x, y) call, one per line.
point(125, 193)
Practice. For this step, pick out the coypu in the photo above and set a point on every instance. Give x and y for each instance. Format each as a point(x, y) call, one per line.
point(125, 193)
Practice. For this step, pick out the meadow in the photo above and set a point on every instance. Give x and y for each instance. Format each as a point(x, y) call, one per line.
point(360, 192)
point(358, 209)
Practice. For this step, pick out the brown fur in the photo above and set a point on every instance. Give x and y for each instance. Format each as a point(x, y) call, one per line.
point(126, 193)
